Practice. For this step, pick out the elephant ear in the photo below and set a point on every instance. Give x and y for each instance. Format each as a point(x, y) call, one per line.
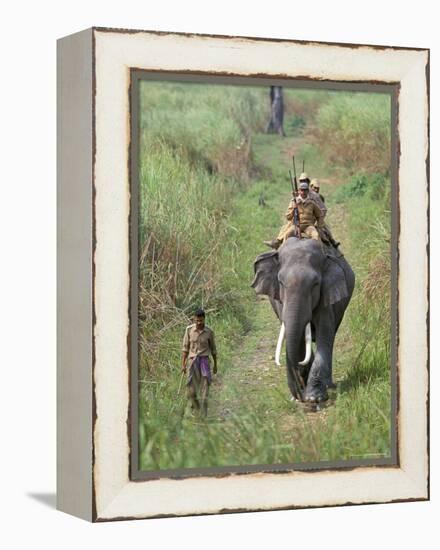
point(266, 268)
point(334, 286)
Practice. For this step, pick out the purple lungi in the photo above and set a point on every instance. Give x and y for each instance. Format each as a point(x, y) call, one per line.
point(202, 365)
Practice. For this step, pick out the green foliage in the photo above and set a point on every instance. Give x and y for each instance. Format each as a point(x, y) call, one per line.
point(366, 384)
point(208, 125)
point(294, 124)
point(194, 159)
point(303, 105)
point(375, 186)
point(354, 131)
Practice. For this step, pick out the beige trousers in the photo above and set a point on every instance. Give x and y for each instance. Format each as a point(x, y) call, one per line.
point(311, 232)
point(288, 230)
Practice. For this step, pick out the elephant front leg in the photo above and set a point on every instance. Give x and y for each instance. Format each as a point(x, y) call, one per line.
point(320, 376)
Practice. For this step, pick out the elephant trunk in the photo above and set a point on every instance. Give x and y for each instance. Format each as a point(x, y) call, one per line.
point(298, 345)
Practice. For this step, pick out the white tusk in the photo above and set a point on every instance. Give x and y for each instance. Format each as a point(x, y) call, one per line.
point(308, 337)
point(279, 344)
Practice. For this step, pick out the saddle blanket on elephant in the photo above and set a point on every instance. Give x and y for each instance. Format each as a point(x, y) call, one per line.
point(200, 367)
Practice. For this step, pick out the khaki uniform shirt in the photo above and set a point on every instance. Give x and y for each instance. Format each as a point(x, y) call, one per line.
point(313, 196)
point(309, 213)
point(316, 197)
point(199, 342)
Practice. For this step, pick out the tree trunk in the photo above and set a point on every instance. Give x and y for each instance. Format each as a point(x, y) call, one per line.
point(275, 125)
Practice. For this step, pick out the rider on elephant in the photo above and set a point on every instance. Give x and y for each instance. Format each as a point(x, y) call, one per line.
point(320, 201)
point(316, 196)
point(313, 194)
point(310, 216)
point(314, 186)
point(324, 233)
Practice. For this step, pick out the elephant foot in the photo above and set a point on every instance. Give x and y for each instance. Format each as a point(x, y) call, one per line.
point(316, 395)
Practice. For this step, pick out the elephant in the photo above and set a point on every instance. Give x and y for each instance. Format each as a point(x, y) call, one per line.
point(309, 289)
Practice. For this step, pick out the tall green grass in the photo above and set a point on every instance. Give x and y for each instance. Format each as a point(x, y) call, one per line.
point(208, 125)
point(366, 199)
point(368, 381)
point(195, 156)
point(302, 107)
point(353, 130)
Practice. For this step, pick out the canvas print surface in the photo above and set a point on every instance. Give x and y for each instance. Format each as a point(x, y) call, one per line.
point(264, 276)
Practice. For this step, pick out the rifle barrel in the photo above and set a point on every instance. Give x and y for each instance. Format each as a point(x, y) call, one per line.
point(294, 171)
point(291, 181)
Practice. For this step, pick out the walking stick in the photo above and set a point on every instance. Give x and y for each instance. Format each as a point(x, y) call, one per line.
point(180, 384)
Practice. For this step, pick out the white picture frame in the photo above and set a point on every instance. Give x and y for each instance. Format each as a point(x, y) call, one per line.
point(94, 382)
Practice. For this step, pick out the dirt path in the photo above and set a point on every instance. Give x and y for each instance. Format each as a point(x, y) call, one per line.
point(253, 369)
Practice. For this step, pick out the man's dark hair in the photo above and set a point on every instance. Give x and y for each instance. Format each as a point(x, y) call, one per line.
point(199, 312)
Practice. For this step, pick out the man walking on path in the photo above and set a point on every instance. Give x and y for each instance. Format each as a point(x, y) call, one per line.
point(198, 345)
